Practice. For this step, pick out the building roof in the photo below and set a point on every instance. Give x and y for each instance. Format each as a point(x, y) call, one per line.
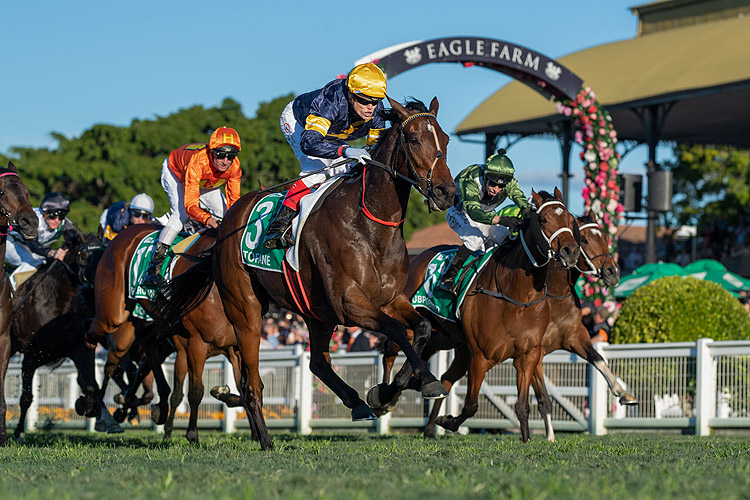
point(702, 69)
point(438, 234)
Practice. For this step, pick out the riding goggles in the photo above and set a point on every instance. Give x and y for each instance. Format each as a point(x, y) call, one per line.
point(365, 100)
point(55, 214)
point(497, 183)
point(220, 155)
point(143, 214)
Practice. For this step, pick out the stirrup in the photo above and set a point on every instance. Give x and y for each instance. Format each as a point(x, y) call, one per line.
point(282, 239)
point(152, 280)
point(448, 286)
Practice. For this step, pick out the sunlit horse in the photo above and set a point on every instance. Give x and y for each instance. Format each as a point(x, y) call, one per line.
point(15, 213)
point(504, 315)
point(50, 310)
point(352, 260)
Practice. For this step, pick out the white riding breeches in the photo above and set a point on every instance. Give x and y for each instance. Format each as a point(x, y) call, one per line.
point(475, 235)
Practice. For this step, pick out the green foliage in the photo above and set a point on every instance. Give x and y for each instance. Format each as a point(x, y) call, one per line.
point(418, 215)
point(715, 182)
point(680, 309)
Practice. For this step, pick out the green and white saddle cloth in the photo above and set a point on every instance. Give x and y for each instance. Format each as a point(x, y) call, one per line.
point(254, 254)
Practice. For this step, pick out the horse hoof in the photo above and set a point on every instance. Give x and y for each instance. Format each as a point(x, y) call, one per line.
point(628, 399)
point(192, 437)
point(447, 422)
point(373, 397)
point(363, 412)
point(219, 391)
point(157, 416)
point(119, 415)
point(120, 399)
point(81, 406)
point(114, 428)
point(134, 420)
point(434, 390)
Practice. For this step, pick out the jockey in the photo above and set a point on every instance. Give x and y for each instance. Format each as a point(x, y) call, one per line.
point(317, 125)
point(481, 189)
point(140, 210)
point(192, 176)
point(27, 255)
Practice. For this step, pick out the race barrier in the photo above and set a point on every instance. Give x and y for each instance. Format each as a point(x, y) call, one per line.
point(698, 388)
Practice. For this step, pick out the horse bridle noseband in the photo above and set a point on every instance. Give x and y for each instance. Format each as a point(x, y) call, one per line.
point(595, 271)
point(549, 253)
point(10, 221)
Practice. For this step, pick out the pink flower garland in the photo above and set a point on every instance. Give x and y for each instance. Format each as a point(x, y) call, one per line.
point(601, 193)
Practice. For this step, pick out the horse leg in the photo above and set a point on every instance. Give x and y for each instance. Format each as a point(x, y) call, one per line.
point(478, 367)
point(455, 371)
point(525, 364)
point(320, 365)
point(178, 382)
point(27, 396)
point(222, 392)
point(542, 397)
point(160, 411)
point(197, 353)
point(580, 344)
point(247, 318)
point(4, 362)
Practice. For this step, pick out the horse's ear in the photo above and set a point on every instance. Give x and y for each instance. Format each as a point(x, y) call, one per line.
point(536, 198)
point(401, 111)
point(434, 105)
point(261, 186)
point(11, 166)
point(558, 194)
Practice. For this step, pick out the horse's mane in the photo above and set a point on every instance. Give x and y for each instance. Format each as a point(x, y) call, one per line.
point(586, 218)
point(391, 115)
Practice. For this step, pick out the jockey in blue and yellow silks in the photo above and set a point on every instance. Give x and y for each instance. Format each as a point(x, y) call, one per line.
point(318, 124)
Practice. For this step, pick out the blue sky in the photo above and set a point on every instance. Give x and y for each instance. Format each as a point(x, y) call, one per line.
point(70, 65)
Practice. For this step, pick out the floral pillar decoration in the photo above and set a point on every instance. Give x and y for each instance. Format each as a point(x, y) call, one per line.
point(601, 193)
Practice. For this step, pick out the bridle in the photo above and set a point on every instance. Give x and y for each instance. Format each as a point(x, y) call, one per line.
point(10, 221)
point(548, 252)
point(593, 270)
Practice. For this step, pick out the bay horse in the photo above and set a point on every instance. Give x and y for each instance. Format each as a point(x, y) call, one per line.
point(504, 315)
point(50, 311)
point(15, 213)
point(352, 258)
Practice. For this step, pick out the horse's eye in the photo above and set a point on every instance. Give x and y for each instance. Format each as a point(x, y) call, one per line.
point(413, 140)
point(584, 240)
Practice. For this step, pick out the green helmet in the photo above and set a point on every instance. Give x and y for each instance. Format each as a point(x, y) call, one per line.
point(499, 168)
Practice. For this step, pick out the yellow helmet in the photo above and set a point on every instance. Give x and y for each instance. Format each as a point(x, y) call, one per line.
point(367, 80)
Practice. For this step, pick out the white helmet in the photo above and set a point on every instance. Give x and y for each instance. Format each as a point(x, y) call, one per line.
point(142, 201)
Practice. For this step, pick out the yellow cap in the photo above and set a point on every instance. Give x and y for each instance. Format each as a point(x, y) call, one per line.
point(367, 79)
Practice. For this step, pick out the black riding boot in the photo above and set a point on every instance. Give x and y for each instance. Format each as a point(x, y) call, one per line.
point(152, 278)
point(278, 234)
point(447, 282)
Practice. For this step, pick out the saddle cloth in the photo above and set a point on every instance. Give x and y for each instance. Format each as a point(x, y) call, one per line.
point(441, 303)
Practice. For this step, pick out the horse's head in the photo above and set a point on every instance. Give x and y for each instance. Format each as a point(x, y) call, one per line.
point(15, 209)
point(559, 230)
point(424, 145)
point(596, 259)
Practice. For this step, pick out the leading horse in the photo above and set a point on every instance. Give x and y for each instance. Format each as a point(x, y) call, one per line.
point(15, 213)
point(352, 261)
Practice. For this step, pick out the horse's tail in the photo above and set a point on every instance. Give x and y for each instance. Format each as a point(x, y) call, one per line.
point(184, 293)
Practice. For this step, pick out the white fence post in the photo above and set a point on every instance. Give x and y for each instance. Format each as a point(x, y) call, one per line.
point(304, 390)
point(229, 425)
point(32, 417)
point(705, 389)
point(441, 360)
point(383, 423)
point(598, 396)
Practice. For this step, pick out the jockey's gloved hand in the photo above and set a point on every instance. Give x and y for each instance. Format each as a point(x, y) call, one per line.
point(360, 155)
point(510, 222)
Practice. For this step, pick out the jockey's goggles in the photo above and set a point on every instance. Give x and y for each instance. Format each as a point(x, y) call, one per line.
point(366, 100)
point(497, 183)
point(220, 155)
point(143, 214)
point(55, 214)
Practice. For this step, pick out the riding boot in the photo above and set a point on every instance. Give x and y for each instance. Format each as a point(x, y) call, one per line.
point(278, 234)
point(152, 278)
point(448, 282)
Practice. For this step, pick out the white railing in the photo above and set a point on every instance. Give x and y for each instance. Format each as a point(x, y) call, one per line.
point(695, 387)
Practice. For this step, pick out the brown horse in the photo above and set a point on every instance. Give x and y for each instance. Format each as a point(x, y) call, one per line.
point(352, 258)
point(565, 329)
point(505, 314)
point(15, 213)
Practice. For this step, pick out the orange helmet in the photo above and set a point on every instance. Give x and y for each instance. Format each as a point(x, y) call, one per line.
point(367, 79)
point(224, 136)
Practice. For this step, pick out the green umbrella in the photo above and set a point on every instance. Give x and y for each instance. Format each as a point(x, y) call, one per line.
point(646, 274)
point(704, 265)
point(731, 282)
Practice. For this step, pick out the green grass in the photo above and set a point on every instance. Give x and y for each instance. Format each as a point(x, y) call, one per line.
point(138, 464)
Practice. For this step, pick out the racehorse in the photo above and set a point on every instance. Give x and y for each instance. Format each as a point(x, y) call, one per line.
point(15, 213)
point(48, 323)
point(565, 329)
point(504, 314)
point(352, 260)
